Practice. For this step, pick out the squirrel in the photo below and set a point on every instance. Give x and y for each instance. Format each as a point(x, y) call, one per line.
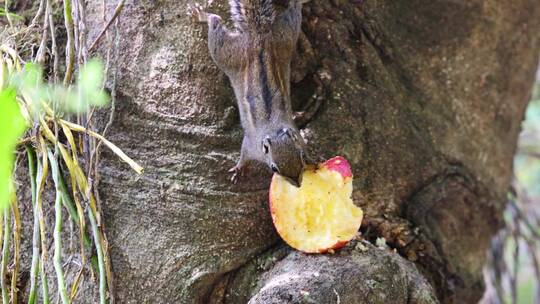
point(256, 57)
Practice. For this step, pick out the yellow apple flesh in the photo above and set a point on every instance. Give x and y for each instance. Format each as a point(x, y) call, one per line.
point(320, 215)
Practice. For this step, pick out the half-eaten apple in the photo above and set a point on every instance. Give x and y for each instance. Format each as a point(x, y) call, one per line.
point(320, 215)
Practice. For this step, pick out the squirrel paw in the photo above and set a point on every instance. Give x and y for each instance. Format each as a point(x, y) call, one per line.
point(197, 13)
point(299, 117)
point(313, 105)
point(236, 171)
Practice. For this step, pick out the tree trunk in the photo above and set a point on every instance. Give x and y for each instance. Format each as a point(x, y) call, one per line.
point(425, 98)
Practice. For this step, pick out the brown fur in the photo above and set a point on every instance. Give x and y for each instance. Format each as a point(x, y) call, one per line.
point(257, 57)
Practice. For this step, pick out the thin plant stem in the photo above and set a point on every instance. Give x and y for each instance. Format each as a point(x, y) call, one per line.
point(5, 255)
point(108, 266)
point(44, 282)
point(39, 211)
point(38, 13)
point(42, 177)
point(54, 47)
point(514, 277)
point(17, 249)
point(6, 10)
point(30, 152)
point(77, 214)
point(83, 53)
point(117, 12)
point(99, 249)
point(75, 208)
point(75, 14)
point(72, 208)
point(110, 277)
point(42, 50)
point(70, 44)
point(57, 234)
point(536, 264)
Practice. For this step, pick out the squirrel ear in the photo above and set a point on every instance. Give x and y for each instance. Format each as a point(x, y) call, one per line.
point(285, 131)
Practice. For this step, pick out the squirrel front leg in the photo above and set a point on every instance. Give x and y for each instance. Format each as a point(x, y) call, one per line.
point(240, 167)
point(197, 13)
point(224, 47)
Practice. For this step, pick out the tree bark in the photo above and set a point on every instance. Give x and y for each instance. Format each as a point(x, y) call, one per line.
point(425, 98)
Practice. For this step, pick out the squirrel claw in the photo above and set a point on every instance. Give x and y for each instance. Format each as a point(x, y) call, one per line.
point(236, 173)
point(299, 117)
point(197, 13)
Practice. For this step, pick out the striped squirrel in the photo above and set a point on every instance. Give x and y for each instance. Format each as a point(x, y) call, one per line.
point(256, 56)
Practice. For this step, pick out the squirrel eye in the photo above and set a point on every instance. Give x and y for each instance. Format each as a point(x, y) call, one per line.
point(275, 169)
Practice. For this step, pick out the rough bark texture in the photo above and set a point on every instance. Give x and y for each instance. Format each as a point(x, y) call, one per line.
point(425, 98)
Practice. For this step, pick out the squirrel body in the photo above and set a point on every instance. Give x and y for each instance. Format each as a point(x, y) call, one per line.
point(256, 57)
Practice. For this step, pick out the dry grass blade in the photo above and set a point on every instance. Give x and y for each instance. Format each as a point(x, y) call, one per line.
point(76, 214)
point(113, 147)
point(71, 142)
point(45, 135)
point(15, 59)
point(82, 184)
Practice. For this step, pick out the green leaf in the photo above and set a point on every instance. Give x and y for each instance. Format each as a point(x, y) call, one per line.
point(76, 99)
point(12, 126)
point(12, 15)
point(30, 78)
point(30, 84)
point(89, 92)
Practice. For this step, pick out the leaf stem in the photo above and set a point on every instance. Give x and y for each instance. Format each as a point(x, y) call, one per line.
point(30, 152)
point(17, 249)
point(70, 44)
point(57, 235)
point(99, 249)
point(5, 255)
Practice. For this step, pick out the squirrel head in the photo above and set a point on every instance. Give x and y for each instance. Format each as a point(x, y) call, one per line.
point(284, 153)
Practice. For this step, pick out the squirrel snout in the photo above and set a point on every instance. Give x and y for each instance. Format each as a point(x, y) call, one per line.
point(297, 181)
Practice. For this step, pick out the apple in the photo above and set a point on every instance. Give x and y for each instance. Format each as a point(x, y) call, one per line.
point(320, 215)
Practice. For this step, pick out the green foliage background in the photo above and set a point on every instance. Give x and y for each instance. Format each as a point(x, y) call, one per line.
point(74, 99)
point(527, 160)
point(527, 176)
point(12, 126)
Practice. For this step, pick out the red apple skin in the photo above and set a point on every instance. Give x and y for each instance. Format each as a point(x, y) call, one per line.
point(339, 164)
point(336, 246)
